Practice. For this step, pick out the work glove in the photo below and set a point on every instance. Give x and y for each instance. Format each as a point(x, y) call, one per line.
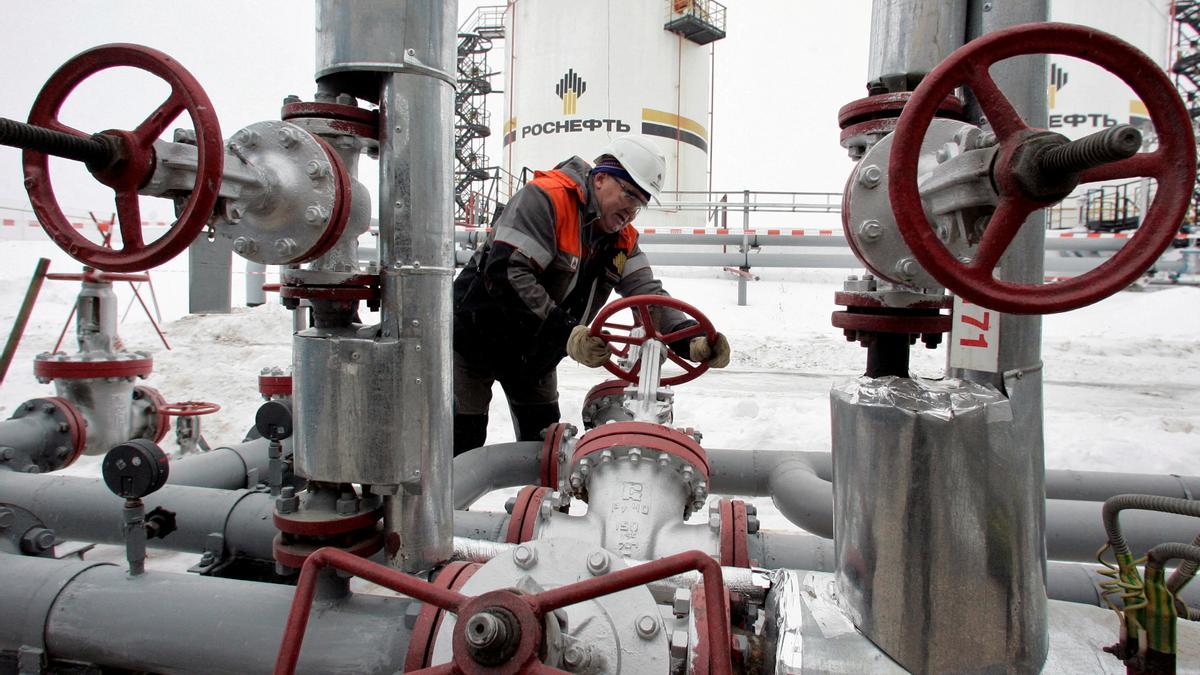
point(716, 353)
point(587, 349)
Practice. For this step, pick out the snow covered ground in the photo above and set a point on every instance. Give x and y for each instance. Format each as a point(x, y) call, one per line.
point(1121, 375)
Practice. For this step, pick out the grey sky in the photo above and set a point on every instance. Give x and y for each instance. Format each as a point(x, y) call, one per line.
point(783, 72)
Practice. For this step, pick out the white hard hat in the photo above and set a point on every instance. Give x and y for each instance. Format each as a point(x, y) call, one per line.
point(642, 159)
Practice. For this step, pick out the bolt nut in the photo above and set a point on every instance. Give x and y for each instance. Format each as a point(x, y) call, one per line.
point(577, 657)
point(525, 556)
point(316, 169)
point(510, 504)
point(346, 99)
point(287, 137)
point(597, 563)
point(647, 626)
point(907, 268)
point(315, 215)
point(37, 540)
point(679, 644)
point(7, 518)
point(682, 603)
point(752, 524)
point(246, 137)
point(870, 230)
point(285, 247)
point(7, 453)
point(869, 176)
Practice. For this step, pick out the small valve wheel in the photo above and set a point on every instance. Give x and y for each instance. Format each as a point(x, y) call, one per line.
point(135, 468)
point(1172, 164)
point(131, 161)
point(641, 305)
point(189, 408)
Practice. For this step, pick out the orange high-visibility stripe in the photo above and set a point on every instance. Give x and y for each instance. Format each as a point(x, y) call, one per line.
point(565, 195)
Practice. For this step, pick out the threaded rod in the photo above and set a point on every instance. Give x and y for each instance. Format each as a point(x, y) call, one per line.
point(1112, 144)
point(91, 151)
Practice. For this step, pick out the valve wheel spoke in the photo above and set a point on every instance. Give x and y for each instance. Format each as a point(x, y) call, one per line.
point(129, 217)
point(1001, 115)
point(1002, 228)
point(1143, 164)
point(156, 123)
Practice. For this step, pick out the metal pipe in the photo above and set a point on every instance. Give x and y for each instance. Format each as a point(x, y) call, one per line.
point(84, 509)
point(256, 276)
point(230, 467)
point(416, 197)
point(910, 37)
point(748, 473)
point(83, 613)
point(493, 467)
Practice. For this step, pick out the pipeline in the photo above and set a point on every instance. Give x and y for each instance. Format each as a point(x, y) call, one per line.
point(83, 612)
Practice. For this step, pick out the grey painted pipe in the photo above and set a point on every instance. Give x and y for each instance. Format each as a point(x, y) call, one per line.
point(228, 467)
point(1067, 581)
point(492, 467)
point(748, 472)
point(166, 622)
point(83, 509)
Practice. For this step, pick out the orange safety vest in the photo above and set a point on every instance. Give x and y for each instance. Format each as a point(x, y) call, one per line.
point(567, 196)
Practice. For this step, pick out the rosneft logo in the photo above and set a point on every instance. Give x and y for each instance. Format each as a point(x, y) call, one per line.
point(569, 89)
point(1058, 80)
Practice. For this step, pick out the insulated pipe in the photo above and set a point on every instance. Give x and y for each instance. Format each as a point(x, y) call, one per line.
point(83, 613)
point(493, 467)
point(230, 467)
point(416, 198)
point(83, 509)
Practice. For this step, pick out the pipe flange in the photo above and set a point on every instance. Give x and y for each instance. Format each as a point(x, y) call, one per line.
point(64, 440)
point(339, 288)
point(303, 211)
point(310, 522)
point(522, 524)
point(554, 452)
point(734, 533)
point(429, 620)
point(150, 404)
point(49, 367)
point(273, 382)
point(608, 396)
point(637, 441)
point(340, 118)
point(889, 106)
point(292, 552)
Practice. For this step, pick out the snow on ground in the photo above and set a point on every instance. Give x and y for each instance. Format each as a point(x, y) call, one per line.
point(1121, 376)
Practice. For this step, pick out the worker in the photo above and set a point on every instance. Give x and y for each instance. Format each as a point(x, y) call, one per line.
point(523, 301)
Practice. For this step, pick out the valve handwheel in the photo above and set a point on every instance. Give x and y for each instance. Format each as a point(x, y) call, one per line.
point(134, 160)
point(189, 408)
point(641, 305)
point(1172, 164)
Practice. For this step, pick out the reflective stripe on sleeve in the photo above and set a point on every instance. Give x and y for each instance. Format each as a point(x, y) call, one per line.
point(525, 244)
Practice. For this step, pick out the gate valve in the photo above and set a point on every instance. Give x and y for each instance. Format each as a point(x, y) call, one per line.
point(122, 160)
point(642, 306)
point(1034, 168)
point(501, 631)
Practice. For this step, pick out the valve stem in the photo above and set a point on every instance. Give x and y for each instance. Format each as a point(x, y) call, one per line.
point(94, 151)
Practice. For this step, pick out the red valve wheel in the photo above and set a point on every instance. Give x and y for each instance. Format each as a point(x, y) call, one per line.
point(640, 305)
point(527, 610)
point(136, 160)
point(189, 408)
point(1172, 164)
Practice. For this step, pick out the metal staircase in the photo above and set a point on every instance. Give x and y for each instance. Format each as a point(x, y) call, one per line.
point(472, 122)
point(1186, 29)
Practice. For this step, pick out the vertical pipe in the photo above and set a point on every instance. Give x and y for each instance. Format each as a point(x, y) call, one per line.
point(910, 37)
point(256, 276)
point(416, 203)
